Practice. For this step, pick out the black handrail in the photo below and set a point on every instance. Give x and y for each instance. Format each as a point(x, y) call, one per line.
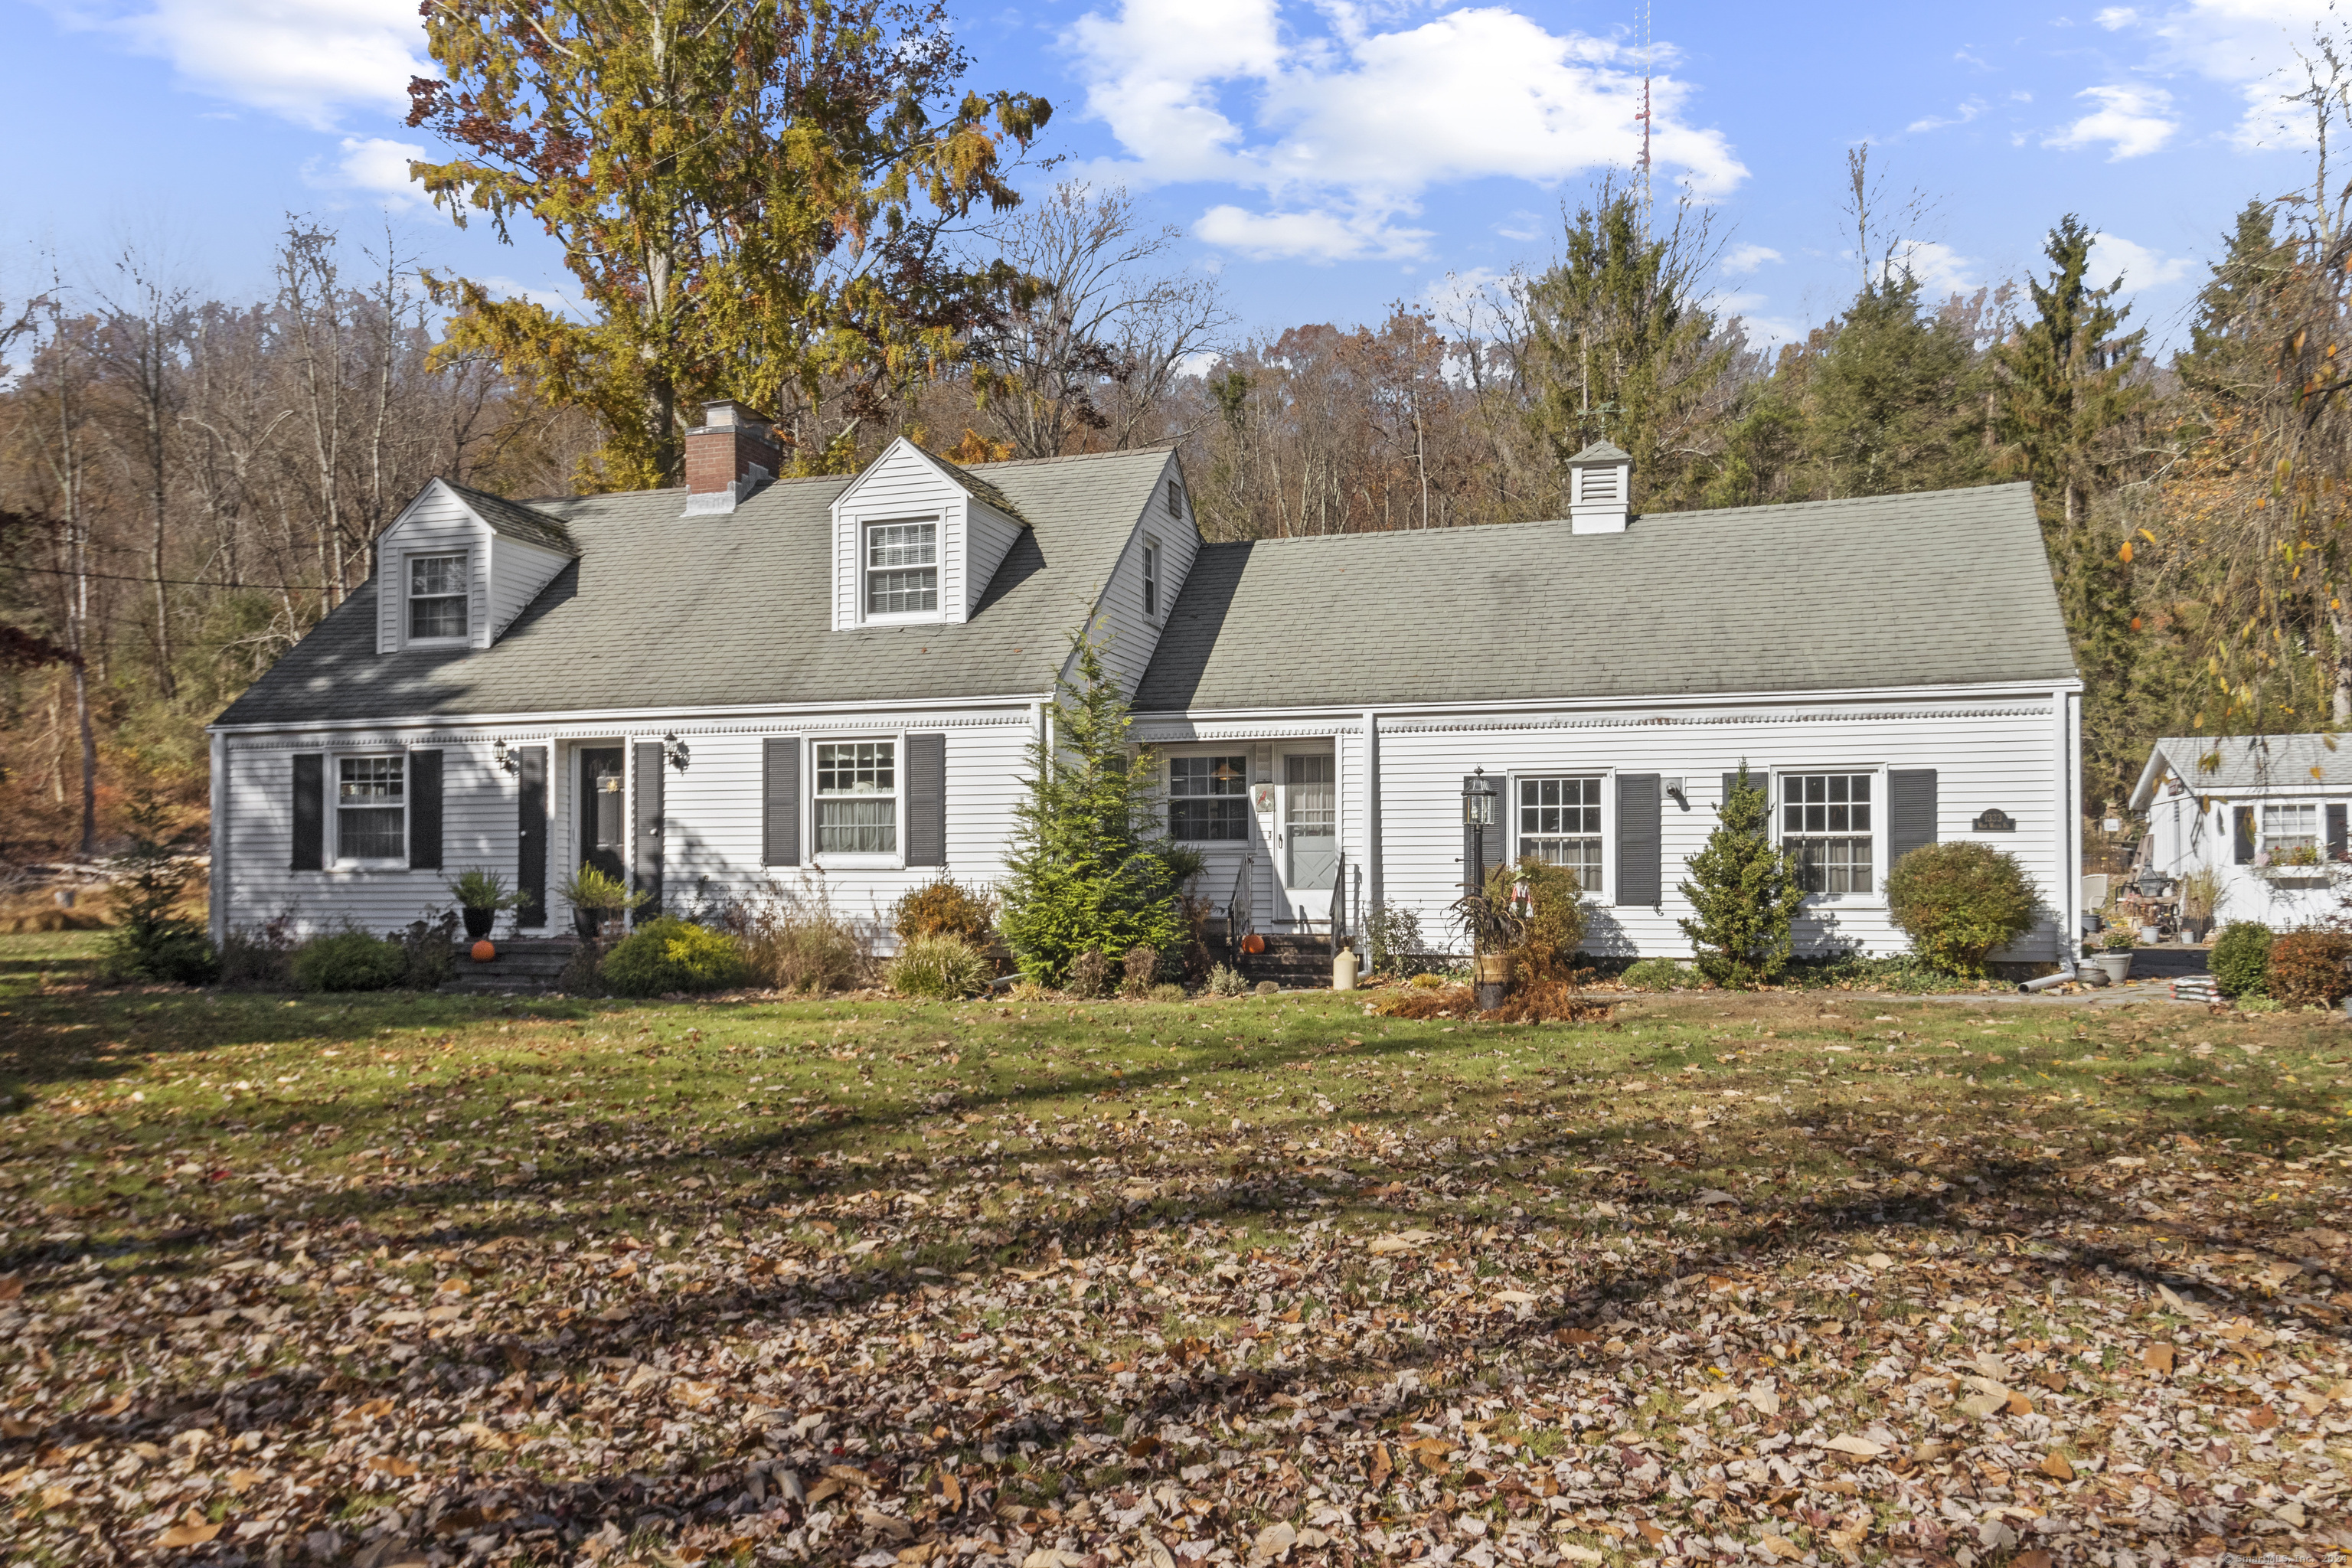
point(1339, 908)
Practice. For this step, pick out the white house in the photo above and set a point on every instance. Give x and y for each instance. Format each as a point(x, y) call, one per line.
point(2266, 811)
point(753, 680)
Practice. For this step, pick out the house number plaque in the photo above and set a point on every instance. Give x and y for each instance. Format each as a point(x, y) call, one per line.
point(1995, 820)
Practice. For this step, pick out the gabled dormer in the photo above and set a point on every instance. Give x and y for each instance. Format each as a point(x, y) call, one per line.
point(916, 540)
point(457, 565)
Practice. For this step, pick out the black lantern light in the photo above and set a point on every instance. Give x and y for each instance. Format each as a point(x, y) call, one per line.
point(2152, 882)
point(1479, 800)
point(674, 751)
point(503, 755)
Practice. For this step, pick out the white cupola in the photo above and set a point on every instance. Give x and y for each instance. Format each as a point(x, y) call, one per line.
point(1599, 489)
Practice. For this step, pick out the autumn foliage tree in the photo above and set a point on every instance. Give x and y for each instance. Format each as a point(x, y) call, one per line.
point(753, 199)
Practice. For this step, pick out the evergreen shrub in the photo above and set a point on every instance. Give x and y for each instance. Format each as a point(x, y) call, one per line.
point(1091, 870)
point(1744, 893)
point(350, 961)
point(669, 954)
point(2241, 959)
point(1960, 901)
point(1656, 974)
point(2306, 968)
point(943, 967)
point(154, 942)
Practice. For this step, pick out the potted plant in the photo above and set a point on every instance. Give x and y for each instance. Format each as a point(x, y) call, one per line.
point(2116, 959)
point(481, 893)
point(1494, 919)
point(2201, 891)
point(597, 898)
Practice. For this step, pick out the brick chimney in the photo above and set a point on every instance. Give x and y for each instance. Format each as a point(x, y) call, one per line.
point(730, 453)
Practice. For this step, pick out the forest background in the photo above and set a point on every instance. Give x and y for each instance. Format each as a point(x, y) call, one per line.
point(188, 484)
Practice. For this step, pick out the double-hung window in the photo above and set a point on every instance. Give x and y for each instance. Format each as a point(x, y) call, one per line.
point(437, 597)
point(1152, 580)
point(902, 568)
point(1560, 823)
point(2291, 835)
point(1208, 799)
point(1825, 819)
point(370, 808)
point(858, 797)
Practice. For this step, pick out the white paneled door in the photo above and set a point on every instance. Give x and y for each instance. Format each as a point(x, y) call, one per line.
point(1309, 852)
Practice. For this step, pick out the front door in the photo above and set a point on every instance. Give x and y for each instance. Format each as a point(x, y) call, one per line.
point(604, 822)
point(1309, 851)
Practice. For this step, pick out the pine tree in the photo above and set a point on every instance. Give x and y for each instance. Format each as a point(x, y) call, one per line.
point(1744, 893)
point(1089, 870)
point(2228, 350)
point(1891, 410)
point(2070, 380)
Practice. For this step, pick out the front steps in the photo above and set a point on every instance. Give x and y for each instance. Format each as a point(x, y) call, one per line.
point(1295, 963)
point(525, 966)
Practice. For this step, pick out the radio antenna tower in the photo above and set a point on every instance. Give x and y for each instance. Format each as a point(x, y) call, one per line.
point(1647, 198)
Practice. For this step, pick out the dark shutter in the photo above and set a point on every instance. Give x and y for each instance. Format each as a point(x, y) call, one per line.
point(531, 836)
point(645, 842)
point(1640, 882)
point(425, 811)
point(2339, 843)
point(1910, 812)
point(1491, 845)
point(780, 800)
point(310, 812)
point(2242, 845)
point(927, 799)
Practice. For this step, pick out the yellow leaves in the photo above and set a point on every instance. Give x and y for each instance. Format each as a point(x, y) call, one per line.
point(2125, 554)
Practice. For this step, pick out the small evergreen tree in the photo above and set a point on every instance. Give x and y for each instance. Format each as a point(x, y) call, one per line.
point(154, 942)
point(1088, 872)
point(1743, 893)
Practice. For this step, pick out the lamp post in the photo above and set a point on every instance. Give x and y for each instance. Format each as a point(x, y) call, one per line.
point(1477, 815)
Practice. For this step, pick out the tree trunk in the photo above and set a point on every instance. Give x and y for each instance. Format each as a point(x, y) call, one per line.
point(2339, 622)
point(88, 762)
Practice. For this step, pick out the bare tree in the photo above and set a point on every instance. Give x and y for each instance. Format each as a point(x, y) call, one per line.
point(146, 322)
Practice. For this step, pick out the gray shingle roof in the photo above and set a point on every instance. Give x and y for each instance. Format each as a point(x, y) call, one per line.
point(517, 521)
point(2220, 765)
point(664, 611)
point(979, 486)
point(1934, 589)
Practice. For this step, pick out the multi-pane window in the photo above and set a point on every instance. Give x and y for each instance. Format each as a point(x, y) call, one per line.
point(1825, 819)
point(370, 808)
point(902, 568)
point(1176, 501)
point(1560, 822)
point(2291, 833)
point(858, 797)
point(1208, 799)
point(437, 595)
point(1151, 579)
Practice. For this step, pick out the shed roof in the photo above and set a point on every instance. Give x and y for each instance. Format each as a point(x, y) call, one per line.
point(2236, 764)
point(1949, 587)
point(661, 611)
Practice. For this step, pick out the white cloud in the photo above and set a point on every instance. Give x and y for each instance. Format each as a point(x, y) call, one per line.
point(2248, 46)
point(1344, 131)
point(1961, 114)
point(304, 60)
point(376, 165)
point(1749, 257)
point(2140, 267)
point(1521, 225)
point(1938, 267)
point(2132, 119)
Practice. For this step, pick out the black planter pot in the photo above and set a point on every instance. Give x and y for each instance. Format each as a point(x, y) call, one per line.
point(583, 922)
point(479, 923)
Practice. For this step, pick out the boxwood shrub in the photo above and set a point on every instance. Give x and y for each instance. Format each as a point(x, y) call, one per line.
point(671, 955)
point(2242, 958)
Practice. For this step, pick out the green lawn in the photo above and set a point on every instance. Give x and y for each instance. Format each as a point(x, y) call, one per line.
point(812, 1280)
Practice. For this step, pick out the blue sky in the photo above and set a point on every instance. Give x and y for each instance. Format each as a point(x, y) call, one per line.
point(1323, 158)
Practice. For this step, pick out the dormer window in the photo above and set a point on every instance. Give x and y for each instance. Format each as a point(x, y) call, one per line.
point(436, 599)
point(902, 568)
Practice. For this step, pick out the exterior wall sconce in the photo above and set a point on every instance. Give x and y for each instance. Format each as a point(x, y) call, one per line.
point(674, 751)
point(503, 756)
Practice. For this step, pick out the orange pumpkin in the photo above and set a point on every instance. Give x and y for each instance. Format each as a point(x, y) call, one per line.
point(1253, 942)
point(484, 952)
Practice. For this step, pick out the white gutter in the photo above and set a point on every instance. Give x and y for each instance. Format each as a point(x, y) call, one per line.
point(2043, 690)
point(624, 715)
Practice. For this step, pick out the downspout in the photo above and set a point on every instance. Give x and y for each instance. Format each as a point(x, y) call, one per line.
point(216, 892)
point(2070, 831)
point(1373, 884)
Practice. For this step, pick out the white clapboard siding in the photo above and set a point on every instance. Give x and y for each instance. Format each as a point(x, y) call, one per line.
point(1989, 754)
point(712, 812)
point(1131, 634)
point(2193, 831)
point(989, 538)
point(436, 523)
point(519, 572)
point(900, 486)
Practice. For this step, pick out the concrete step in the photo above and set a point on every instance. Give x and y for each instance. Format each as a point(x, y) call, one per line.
point(523, 965)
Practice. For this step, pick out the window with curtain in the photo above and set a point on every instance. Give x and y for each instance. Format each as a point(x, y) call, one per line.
point(858, 797)
point(1825, 819)
point(1208, 799)
point(370, 808)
